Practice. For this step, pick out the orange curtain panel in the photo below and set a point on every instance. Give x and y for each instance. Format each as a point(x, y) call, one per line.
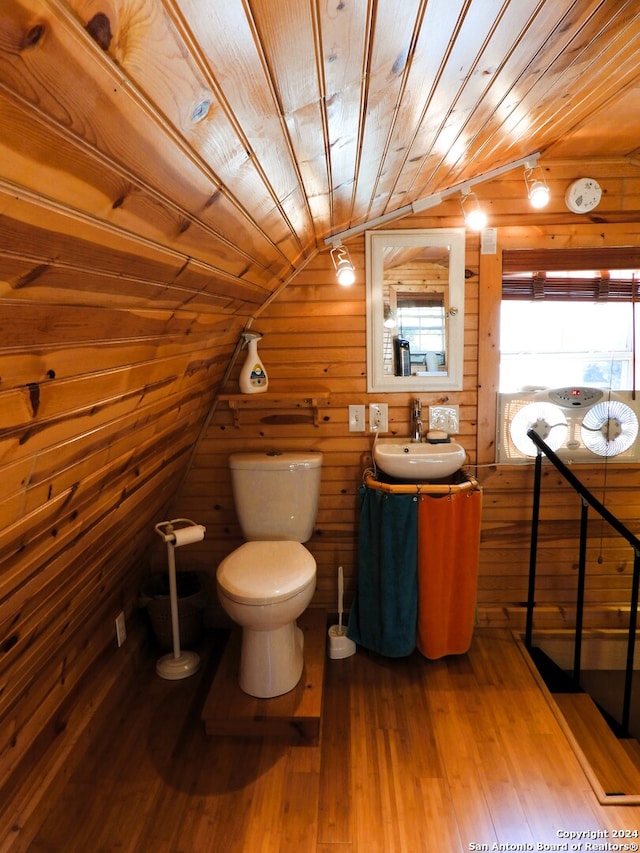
point(448, 553)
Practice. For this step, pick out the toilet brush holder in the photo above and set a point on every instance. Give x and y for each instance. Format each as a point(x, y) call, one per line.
point(340, 646)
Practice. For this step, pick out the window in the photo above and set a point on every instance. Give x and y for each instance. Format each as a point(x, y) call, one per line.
point(568, 327)
point(421, 321)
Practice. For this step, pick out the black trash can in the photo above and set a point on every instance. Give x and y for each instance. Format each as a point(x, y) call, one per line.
point(154, 595)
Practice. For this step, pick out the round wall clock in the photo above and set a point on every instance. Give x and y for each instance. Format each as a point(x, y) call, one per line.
point(583, 195)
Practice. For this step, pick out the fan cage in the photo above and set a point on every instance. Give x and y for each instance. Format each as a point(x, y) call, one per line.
point(588, 446)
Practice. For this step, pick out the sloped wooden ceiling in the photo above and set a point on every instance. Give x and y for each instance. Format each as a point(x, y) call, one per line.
point(209, 148)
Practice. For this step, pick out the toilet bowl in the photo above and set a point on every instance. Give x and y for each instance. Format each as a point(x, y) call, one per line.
point(266, 604)
point(268, 582)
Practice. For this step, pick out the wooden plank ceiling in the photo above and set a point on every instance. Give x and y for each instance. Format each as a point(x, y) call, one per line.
point(217, 145)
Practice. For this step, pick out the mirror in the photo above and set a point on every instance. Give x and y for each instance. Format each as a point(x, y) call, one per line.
point(415, 309)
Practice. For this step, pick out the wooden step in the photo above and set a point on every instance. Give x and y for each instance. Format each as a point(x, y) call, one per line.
point(610, 761)
point(632, 748)
point(295, 715)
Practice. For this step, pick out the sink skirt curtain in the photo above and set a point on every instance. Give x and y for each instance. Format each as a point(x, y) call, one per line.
point(417, 573)
point(383, 613)
point(448, 554)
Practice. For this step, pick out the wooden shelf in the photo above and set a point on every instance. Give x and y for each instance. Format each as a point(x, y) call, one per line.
point(310, 398)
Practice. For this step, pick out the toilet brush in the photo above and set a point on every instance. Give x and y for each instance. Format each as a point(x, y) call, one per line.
point(179, 664)
point(340, 646)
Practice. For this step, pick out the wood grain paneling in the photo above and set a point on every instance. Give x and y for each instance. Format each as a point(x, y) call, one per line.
point(508, 489)
point(169, 173)
point(315, 329)
point(108, 368)
point(314, 336)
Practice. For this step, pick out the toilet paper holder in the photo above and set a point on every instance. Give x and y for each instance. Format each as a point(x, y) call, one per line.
point(179, 664)
point(188, 532)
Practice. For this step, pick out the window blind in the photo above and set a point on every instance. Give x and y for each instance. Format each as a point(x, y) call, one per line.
point(607, 274)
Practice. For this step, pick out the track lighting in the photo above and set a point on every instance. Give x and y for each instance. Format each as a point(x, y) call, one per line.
point(474, 217)
point(537, 189)
point(345, 270)
point(389, 321)
point(419, 206)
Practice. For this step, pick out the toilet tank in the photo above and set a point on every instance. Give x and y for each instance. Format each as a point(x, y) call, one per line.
point(276, 494)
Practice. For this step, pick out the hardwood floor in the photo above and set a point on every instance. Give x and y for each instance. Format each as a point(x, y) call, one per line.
point(453, 755)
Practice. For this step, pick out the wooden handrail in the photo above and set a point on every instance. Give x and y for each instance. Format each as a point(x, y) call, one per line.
point(588, 500)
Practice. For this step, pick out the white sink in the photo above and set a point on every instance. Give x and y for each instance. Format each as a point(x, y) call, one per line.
point(415, 463)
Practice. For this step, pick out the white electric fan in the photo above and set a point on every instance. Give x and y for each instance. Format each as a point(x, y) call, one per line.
point(609, 428)
point(545, 419)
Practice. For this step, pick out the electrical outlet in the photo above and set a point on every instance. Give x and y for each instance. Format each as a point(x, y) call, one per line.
point(379, 417)
point(121, 628)
point(446, 418)
point(356, 419)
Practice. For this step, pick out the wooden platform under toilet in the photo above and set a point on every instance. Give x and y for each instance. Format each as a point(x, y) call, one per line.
point(295, 715)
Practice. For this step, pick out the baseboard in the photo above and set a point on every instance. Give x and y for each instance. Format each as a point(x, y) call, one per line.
point(546, 616)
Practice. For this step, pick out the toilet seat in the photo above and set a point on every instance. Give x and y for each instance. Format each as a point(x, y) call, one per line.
point(266, 572)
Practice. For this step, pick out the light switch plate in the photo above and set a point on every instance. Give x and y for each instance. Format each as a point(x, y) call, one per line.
point(357, 421)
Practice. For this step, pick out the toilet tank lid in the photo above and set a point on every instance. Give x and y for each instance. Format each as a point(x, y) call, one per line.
point(266, 572)
point(276, 460)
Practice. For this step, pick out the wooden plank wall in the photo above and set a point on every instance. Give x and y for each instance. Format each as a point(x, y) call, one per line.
point(103, 392)
point(108, 368)
point(314, 335)
point(508, 488)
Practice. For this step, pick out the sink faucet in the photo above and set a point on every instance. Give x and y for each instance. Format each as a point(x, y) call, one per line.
point(416, 421)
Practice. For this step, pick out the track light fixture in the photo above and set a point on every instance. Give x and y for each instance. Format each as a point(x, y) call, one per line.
point(342, 264)
point(389, 321)
point(537, 189)
point(434, 199)
point(474, 217)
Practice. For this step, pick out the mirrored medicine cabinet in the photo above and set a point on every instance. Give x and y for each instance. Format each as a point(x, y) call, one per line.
point(415, 309)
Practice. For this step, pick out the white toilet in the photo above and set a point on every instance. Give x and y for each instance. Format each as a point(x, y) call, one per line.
point(265, 584)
